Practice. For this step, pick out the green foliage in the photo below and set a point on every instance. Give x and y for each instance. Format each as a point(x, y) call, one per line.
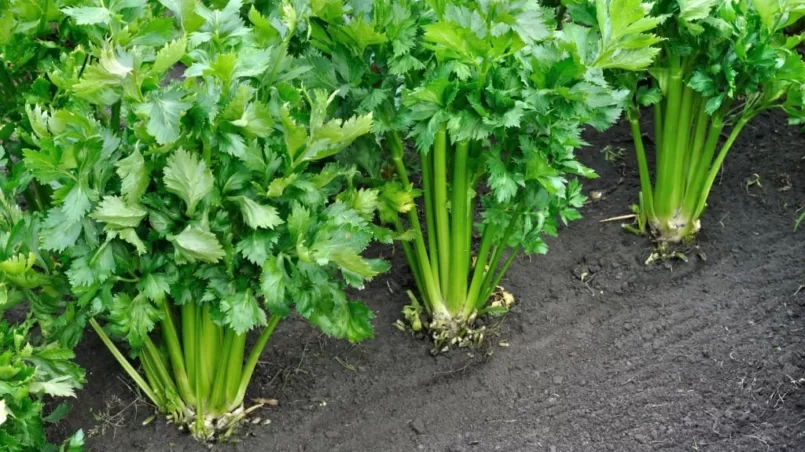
point(32, 366)
point(28, 373)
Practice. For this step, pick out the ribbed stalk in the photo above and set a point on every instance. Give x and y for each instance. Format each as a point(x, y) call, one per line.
point(681, 150)
point(480, 270)
point(703, 166)
point(209, 348)
point(251, 362)
point(663, 206)
point(218, 397)
point(642, 163)
point(460, 240)
point(175, 353)
point(124, 363)
point(697, 146)
point(235, 367)
point(711, 176)
point(421, 265)
point(189, 340)
point(442, 218)
point(427, 194)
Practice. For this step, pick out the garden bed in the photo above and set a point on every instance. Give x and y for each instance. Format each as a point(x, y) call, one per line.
point(604, 352)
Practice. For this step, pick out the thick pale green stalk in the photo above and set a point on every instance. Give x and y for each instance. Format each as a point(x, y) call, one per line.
point(189, 340)
point(175, 353)
point(235, 366)
point(124, 363)
point(430, 215)
point(251, 362)
point(703, 166)
point(697, 146)
point(153, 381)
point(480, 269)
point(197, 374)
point(642, 162)
point(665, 169)
point(209, 347)
point(442, 218)
point(218, 397)
point(460, 241)
point(421, 263)
point(711, 176)
point(681, 150)
point(161, 370)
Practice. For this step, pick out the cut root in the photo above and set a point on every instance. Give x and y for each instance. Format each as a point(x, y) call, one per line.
point(216, 427)
point(448, 332)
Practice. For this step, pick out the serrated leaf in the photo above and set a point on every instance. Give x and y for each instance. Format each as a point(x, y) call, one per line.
point(76, 204)
point(241, 312)
point(58, 413)
point(257, 215)
point(154, 286)
point(134, 176)
point(359, 326)
point(691, 10)
point(169, 55)
point(272, 285)
point(624, 41)
point(352, 262)
point(195, 244)
point(62, 386)
point(164, 111)
point(59, 233)
point(130, 235)
point(336, 135)
point(89, 15)
point(295, 136)
point(114, 211)
point(188, 177)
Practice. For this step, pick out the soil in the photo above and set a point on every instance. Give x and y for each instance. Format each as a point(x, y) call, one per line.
point(600, 353)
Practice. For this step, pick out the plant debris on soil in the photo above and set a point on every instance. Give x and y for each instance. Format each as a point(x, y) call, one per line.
point(600, 353)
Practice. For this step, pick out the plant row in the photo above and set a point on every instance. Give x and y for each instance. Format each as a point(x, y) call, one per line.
point(181, 174)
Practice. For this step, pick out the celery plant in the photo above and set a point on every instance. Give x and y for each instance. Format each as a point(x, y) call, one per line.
point(189, 212)
point(721, 64)
point(494, 99)
point(36, 359)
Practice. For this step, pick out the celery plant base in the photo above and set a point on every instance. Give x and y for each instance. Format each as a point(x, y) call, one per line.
point(216, 427)
point(673, 231)
point(448, 331)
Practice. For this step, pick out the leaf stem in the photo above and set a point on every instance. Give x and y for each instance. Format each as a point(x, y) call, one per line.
point(125, 364)
point(442, 217)
point(460, 239)
point(254, 356)
point(642, 163)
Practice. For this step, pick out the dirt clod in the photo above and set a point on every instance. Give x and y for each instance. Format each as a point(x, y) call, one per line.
point(418, 426)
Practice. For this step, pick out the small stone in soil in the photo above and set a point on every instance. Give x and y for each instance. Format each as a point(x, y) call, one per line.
point(557, 380)
point(418, 426)
point(331, 434)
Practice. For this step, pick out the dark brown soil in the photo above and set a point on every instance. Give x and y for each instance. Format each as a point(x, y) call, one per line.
point(700, 356)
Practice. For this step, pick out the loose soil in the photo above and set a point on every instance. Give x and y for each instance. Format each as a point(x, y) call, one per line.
point(604, 353)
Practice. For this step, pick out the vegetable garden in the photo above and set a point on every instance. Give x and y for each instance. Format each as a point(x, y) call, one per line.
point(355, 225)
